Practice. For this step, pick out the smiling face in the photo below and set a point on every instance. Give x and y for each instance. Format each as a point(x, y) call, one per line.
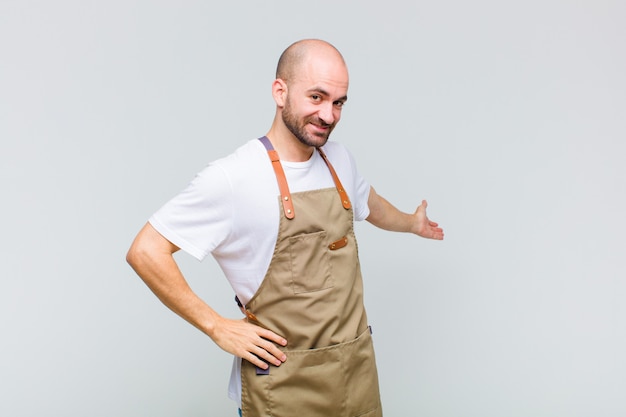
point(315, 95)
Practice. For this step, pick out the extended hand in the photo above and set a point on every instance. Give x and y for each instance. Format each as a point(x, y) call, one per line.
point(249, 342)
point(424, 227)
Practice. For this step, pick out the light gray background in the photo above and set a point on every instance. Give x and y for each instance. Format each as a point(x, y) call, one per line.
point(509, 117)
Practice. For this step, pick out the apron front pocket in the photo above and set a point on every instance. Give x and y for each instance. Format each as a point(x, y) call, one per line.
point(362, 397)
point(339, 380)
point(306, 385)
point(310, 263)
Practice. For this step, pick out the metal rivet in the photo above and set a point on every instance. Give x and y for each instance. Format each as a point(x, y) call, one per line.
point(286, 198)
point(289, 211)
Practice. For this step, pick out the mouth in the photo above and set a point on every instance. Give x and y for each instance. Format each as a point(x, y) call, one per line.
point(321, 128)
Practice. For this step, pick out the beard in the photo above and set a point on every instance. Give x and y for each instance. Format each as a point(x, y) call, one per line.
point(298, 127)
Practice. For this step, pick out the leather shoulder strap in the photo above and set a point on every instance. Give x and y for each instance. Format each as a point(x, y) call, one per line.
point(345, 201)
point(285, 195)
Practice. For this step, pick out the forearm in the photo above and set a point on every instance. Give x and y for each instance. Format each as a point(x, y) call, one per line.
point(152, 260)
point(151, 257)
point(386, 216)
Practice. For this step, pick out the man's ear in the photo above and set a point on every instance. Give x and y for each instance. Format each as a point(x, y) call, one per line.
point(279, 92)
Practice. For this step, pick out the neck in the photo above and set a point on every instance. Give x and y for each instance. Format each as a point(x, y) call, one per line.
point(289, 148)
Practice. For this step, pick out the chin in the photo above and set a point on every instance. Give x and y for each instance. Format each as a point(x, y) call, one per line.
point(318, 141)
point(313, 140)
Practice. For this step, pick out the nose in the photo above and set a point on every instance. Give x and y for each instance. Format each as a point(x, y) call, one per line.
point(327, 113)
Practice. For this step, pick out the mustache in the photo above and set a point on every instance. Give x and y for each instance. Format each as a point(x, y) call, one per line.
point(319, 122)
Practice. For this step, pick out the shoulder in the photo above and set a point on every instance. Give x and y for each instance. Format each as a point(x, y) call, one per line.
point(245, 172)
point(250, 152)
point(332, 147)
point(340, 157)
point(338, 153)
point(220, 179)
point(248, 158)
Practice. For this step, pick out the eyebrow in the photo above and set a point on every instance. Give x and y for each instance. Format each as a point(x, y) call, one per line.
point(325, 93)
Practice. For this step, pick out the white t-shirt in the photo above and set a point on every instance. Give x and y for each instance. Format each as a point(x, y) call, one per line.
point(231, 210)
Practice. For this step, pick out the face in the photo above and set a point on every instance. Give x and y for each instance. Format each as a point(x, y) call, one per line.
point(314, 101)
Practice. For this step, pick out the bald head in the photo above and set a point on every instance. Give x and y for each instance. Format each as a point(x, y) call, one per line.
point(300, 52)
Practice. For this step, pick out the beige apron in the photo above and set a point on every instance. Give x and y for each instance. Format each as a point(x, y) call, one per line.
point(312, 295)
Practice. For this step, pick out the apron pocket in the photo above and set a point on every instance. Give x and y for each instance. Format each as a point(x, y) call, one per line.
point(362, 398)
point(309, 386)
point(310, 263)
point(339, 380)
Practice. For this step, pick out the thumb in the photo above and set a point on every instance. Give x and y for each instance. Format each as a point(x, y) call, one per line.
point(421, 207)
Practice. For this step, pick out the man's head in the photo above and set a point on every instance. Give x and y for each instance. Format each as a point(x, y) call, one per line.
point(310, 89)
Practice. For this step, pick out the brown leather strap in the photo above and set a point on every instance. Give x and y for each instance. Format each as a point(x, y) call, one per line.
point(342, 192)
point(285, 195)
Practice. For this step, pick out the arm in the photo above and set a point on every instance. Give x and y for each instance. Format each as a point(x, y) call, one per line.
point(384, 215)
point(151, 257)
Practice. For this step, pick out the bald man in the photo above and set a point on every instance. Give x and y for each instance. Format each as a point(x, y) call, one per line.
point(277, 215)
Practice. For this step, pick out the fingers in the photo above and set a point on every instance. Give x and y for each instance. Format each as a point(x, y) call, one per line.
point(433, 231)
point(257, 361)
point(266, 352)
point(250, 342)
point(270, 335)
point(262, 349)
point(437, 234)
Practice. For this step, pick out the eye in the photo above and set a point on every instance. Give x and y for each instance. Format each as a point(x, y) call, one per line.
point(316, 97)
point(339, 103)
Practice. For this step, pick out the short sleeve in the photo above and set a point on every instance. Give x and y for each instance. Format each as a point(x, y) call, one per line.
point(361, 191)
point(199, 218)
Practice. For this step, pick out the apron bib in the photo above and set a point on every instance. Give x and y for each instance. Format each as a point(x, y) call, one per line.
point(312, 294)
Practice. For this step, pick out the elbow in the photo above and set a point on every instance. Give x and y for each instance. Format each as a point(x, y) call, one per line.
point(148, 248)
point(375, 220)
point(138, 251)
point(371, 218)
point(377, 214)
point(136, 256)
point(132, 257)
